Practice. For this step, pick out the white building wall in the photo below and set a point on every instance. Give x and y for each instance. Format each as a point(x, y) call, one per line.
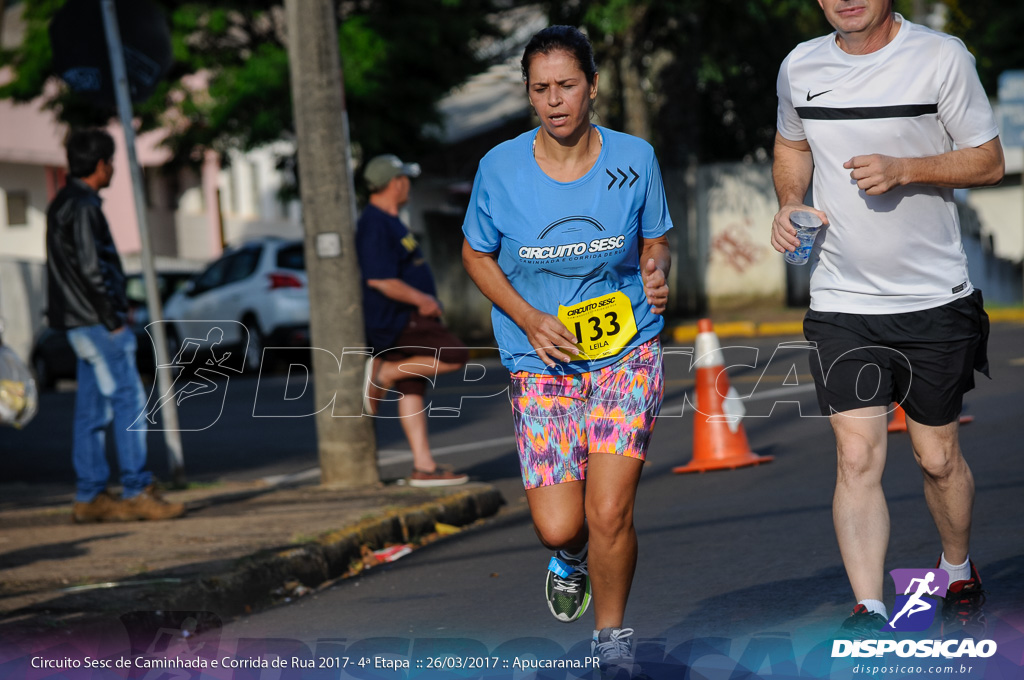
point(24, 242)
point(249, 197)
point(1001, 210)
point(22, 301)
point(736, 206)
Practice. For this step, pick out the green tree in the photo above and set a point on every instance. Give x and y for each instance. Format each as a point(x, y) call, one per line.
point(694, 76)
point(992, 31)
point(229, 87)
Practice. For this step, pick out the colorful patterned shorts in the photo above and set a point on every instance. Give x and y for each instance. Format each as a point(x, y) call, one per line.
point(561, 419)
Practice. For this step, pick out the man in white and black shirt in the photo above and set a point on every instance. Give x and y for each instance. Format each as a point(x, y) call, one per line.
point(888, 118)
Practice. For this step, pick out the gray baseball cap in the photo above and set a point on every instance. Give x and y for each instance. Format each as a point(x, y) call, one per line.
point(381, 169)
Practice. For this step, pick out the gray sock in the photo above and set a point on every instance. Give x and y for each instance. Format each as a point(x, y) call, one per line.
point(566, 555)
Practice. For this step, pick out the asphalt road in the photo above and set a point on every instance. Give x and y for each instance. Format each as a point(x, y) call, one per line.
point(737, 570)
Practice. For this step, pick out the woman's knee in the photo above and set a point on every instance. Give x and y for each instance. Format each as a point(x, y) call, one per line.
point(556, 535)
point(560, 529)
point(609, 517)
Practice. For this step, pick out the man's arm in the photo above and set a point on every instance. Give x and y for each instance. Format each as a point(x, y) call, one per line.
point(792, 170)
point(400, 291)
point(980, 166)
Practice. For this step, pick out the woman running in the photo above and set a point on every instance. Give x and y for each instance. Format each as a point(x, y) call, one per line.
point(565, 234)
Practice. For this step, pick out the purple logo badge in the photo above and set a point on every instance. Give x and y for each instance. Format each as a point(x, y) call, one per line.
point(914, 609)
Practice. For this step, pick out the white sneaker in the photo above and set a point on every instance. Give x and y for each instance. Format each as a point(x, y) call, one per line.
point(614, 647)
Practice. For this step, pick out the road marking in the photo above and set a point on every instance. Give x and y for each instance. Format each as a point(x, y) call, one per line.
point(1017, 362)
point(803, 377)
point(387, 456)
point(757, 396)
point(285, 480)
point(391, 456)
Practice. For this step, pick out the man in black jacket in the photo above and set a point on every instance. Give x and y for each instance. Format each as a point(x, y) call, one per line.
point(86, 288)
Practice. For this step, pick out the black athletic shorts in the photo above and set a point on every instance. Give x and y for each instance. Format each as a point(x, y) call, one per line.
point(924, 361)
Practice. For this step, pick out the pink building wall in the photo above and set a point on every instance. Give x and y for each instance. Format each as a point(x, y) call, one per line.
point(31, 135)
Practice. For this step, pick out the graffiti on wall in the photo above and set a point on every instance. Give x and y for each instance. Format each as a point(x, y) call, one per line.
point(736, 247)
point(739, 207)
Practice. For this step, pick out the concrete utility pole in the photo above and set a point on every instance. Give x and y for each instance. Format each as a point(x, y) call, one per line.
point(347, 445)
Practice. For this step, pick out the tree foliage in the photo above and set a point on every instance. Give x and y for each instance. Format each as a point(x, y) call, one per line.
point(696, 77)
point(229, 87)
point(706, 68)
point(704, 71)
point(992, 30)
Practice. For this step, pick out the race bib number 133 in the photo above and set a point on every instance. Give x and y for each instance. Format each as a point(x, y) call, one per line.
point(603, 326)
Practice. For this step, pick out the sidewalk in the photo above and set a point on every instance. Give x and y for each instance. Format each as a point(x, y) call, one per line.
point(241, 546)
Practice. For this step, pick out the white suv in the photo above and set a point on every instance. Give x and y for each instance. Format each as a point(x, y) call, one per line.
point(260, 283)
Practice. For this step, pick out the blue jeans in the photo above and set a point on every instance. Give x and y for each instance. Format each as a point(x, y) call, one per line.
point(109, 389)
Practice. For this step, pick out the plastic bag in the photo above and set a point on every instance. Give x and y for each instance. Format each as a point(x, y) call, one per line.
point(19, 399)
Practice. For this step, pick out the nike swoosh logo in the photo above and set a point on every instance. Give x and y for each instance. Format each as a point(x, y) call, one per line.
point(810, 96)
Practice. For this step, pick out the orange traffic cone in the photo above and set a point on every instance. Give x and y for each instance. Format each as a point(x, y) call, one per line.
point(899, 420)
point(719, 441)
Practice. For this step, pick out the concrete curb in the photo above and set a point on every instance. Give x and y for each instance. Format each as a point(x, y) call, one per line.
point(738, 329)
point(265, 577)
point(1003, 315)
point(748, 329)
point(253, 580)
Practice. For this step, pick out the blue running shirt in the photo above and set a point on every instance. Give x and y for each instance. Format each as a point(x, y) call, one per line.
point(562, 243)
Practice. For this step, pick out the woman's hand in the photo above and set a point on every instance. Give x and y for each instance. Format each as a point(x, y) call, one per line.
point(549, 336)
point(655, 286)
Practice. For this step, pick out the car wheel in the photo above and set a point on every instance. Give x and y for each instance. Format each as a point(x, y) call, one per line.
point(254, 353)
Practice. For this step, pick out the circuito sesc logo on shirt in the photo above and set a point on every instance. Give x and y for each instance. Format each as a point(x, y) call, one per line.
point(575, 247)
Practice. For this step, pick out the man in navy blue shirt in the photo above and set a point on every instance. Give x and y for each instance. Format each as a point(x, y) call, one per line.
point(402, 314)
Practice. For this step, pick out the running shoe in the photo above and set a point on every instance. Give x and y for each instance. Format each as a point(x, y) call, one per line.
point(567, 587)
point(862, 624)
point(963, 615)
point(614, 649)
